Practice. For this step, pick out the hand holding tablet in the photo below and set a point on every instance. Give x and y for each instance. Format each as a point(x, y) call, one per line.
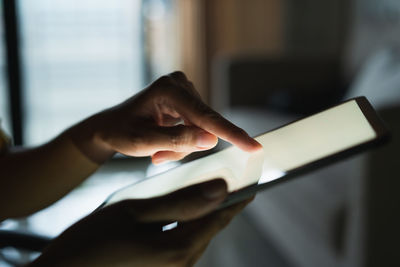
point(288, 151)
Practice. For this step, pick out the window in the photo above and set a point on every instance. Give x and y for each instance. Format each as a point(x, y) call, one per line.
point(78, 57)
point(161, 37)
point(4, 114)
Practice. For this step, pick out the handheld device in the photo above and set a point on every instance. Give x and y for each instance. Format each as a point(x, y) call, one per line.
point(288, 151)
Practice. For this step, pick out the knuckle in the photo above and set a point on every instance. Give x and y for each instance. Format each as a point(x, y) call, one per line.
point(175, 142)
point(163, 82)
point(210, 115)
point(173, 90)
point(178, 141)
point(173, 84)
point(238, 132)
point(193, 91)
point(165, 79)
point(178, 75)
point(201, 106)
point(180, 137)
point(162, 86)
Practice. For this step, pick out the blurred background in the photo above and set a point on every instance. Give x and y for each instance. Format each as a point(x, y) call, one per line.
point(261, 63)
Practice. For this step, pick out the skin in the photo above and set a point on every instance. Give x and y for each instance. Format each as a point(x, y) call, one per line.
point(129, 233)
point(166, 121)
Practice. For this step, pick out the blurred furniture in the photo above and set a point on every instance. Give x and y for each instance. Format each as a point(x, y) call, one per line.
point(299, 85)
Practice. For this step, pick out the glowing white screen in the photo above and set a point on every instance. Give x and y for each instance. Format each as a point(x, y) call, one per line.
point(285, 149)
point(315, 137)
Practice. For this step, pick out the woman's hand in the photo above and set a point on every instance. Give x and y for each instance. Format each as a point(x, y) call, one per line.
point(144, 125)
point(129, 233)
point(166, 121)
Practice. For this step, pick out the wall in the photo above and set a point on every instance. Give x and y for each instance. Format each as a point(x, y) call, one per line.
point(212, 30)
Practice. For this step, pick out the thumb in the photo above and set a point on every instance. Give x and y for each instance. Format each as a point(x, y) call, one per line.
point(182, 138)
point(182, 205)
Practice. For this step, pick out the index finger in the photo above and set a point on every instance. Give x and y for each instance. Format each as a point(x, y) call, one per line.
point(204, 117)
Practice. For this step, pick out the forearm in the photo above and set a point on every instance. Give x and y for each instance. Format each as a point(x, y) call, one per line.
point(33, 179)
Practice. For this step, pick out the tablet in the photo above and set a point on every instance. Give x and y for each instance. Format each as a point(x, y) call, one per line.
point(288, 151)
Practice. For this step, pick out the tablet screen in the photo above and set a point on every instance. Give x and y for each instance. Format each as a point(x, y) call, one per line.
point(312, 138)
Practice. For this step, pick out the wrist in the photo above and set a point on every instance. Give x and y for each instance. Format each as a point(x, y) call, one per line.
point(87, 137)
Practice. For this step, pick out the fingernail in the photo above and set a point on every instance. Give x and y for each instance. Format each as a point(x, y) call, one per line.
point(206, 140)
point(257, 145)
point(214, 190)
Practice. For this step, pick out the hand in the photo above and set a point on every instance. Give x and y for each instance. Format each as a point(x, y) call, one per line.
point(129, 233)
point(147, 125)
